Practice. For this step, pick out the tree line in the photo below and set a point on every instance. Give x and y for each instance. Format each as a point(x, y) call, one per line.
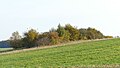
point(62, 34)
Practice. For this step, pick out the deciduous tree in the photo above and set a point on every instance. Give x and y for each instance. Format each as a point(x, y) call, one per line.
point(74, 32)
point(30, 38)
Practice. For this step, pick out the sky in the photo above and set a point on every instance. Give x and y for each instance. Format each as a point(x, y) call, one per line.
point(22, 15)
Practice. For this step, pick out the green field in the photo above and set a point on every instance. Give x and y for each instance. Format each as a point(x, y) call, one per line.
point(5, 49)
point(96, 53)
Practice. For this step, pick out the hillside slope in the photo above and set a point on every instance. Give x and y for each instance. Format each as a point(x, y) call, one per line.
point(4, 44)
point(106, 52)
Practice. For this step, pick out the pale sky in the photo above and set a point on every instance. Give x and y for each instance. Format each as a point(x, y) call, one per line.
point(18, 15)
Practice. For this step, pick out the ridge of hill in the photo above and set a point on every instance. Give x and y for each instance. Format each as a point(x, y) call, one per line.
point(4, 44)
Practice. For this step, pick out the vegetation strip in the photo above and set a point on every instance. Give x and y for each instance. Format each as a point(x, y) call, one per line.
point(62, 34)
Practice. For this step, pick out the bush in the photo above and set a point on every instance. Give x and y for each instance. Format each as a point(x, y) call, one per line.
point(54, 38)
point(48, 38)
point(16, 44)
point(83, 34)
point(43, 41)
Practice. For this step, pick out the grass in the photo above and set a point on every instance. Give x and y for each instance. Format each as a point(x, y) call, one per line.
point(5, 49)
point(97, 53)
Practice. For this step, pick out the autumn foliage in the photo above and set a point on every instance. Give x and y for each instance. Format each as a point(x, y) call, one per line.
point(62, 34)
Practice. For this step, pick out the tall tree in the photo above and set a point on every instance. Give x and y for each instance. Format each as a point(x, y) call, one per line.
point(61, 31)
point(15, 40)
point(15, 36)
point(30, 38)
point(63, 34)
point(52, 30)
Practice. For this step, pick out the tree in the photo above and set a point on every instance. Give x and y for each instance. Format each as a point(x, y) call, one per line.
point(74, 32)
point(43, 39)
point(16, 44)
point(99, 35)
point(63, 34)
point(15, 36)
point(15, 40)
point(66, 36)
point(83, 34)
point(60, 31)
point(92, 33)
point(30, 38)
point(52, 30)
point(48, 38)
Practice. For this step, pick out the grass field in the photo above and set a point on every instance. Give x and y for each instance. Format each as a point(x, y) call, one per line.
point(5, 49)
point(97, 53)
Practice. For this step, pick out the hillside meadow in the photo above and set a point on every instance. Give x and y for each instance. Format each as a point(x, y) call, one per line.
point(94, 53)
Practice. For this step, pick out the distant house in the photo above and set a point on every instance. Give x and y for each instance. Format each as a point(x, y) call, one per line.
point(4, 44)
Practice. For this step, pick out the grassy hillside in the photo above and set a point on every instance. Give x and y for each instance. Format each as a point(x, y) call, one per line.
point(105, 52)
